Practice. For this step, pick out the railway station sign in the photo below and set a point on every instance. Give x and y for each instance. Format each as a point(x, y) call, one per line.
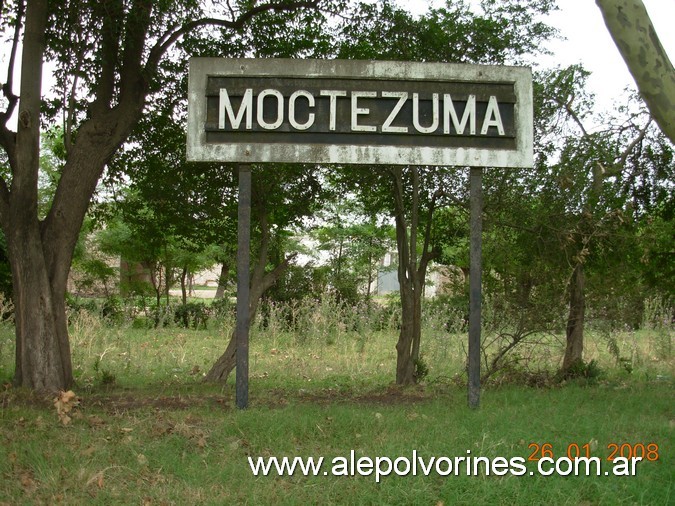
point(359, 112)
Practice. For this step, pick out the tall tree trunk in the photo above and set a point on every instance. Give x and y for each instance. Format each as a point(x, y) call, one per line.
point(42, 348)
point(412, 270)
point(575, 320)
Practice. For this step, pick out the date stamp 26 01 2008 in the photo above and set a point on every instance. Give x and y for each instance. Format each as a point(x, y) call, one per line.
point(645, 451)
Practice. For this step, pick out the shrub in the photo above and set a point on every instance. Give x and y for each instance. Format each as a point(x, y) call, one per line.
point(192, 314)
point(222, 308)
point(112, 310)
point(587, 372)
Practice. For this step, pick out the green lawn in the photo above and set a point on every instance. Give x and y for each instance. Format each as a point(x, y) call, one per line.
point(148, 431)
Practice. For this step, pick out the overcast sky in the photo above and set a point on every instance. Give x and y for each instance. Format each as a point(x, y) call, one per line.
point(588, 42)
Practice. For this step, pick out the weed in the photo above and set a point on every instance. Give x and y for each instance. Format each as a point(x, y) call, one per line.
point(585, 373)
point(421, 369)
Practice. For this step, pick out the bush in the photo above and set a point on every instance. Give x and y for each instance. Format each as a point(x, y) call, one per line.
point(76, 305)
point(222, 308)
point(587, 372)
point(112, 310)
point(192, 314)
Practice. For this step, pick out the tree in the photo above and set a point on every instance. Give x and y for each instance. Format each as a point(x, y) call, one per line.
point(355, 244)
point(281, 196)
point(109, 56)
point(565, 233)
point(502, 32)
point(633, 32)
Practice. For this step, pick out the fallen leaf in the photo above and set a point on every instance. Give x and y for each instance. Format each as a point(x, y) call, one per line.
point(64, 403)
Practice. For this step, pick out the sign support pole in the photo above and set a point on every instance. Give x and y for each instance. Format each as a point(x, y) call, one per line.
point(243, 288)
point(476, 203)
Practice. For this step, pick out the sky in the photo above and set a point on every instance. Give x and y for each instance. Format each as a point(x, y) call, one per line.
point(588, 42)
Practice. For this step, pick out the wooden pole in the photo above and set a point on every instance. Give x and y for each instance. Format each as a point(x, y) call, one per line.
point(243, 288)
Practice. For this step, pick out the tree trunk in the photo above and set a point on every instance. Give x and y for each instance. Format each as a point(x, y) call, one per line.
point(634, 35)
point(412, 269)
point(41, 252)
point(42, 348)
point(260, 282)
point(575, 321)
point(222, 280)
point(408, 345)
point(183, 286)
point(225, 364)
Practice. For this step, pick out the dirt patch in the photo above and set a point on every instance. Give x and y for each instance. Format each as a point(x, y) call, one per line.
point(119, 403)
point(115, 404)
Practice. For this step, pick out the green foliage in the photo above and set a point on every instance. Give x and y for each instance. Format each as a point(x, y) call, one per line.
point(421, 369)
point(587, 373)
point(355, 243)
point(192, 315)
point(112, 310)
point(299, 283)
point(222, 308)
point(76, 305)
point(497, 33)
point(659, 319)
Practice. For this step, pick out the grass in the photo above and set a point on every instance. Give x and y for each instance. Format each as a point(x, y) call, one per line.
point(148, 431)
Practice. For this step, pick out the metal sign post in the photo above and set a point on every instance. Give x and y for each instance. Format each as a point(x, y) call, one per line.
point(359, 112)
point(475, 252)
point(243, 269)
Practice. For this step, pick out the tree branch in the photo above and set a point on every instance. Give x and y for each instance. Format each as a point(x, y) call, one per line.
point(428, 255)
point(110, 40)
point(131, 75)
point(169, 38)
point(629, 149)
point(7, 88)
point(575, 117)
